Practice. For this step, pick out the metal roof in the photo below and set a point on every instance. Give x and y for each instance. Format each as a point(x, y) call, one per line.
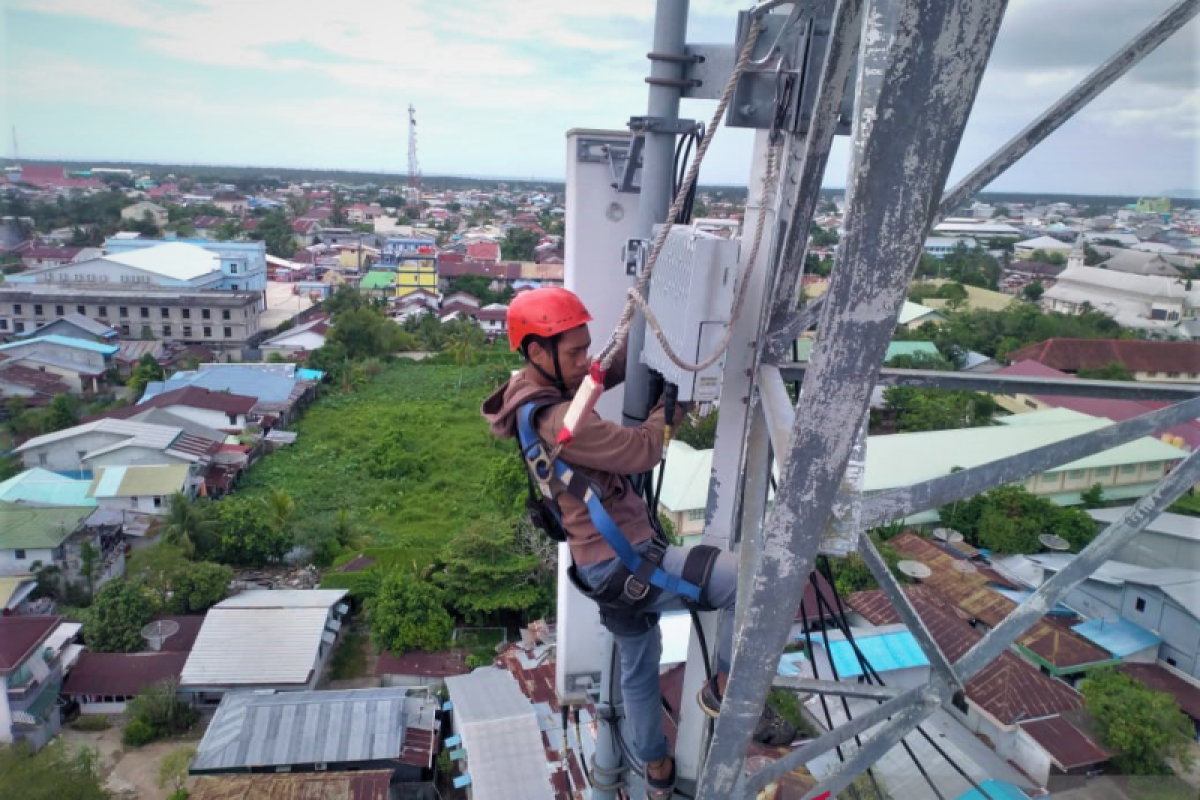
point(42, 527)
point(284, 598)
point(65, 341)
point(139, 481)
point(154, 436)
point(501, 735)
point(1118, 636)
point(1066, 745)
point(1167, 524)
point(257, 644)
point(996, 790)
point(359, 785)
point(886, 652)
point(178, 261)
point(15, 586)
point(915, 311)
point(121, 673)
point(43, 487)
point(19, 636)
point(331, 727)
point(267, 387)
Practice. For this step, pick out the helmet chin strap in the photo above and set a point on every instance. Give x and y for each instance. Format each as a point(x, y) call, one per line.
point(557, 378)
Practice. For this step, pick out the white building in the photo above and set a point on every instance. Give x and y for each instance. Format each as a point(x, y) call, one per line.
point(305, 337)
point(113, 442)
point(1145, 302)
point(142, 489)
point(1047, 244)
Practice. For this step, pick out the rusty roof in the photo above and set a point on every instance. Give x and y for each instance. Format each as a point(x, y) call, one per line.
point(972, 594)
point(1161, 679)
point(365, 785)
point(121, 673)
point(1068, 746)
point(430, 665)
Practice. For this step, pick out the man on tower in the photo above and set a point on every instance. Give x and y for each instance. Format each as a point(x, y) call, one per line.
point(621, 559)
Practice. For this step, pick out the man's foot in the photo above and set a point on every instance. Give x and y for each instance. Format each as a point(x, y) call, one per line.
point(660, 779)
point(772, 729)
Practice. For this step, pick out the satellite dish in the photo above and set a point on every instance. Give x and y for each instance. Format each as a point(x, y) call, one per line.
point(158, 632)
point(965, 567)
point(914, 569)
point(1053, 542)
point(947, 535)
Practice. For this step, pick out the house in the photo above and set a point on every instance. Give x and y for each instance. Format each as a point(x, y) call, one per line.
point(138, 211)
point(484, 250)
point(914, 315)
point(114, 442)
point(74, 326)
point(35, 387)
point(890, 650)
point(303, 732)
point(975, 228)
point(500, 737)
point(43, 535)
point(41, 487)
point(104, 683)
point(1168, 540)
point(1047, 244)
point(145, 489)
point(1160, 362)
point(35, 652)
point(175, 264)
point(684, 495)
point(132, 351)
point(80, 363)
point(1185, 435)
point(361, 213)
point(493, 318)
point(278, 640)
point(1164, 602)
point(230, 202)
point(1143, 302)
point(942, 246)
point(371, 784)
point(280, 389)
point(216, 410)
point(378, 283)
point(1137, 262)
point(418, 668)
point(35, 255)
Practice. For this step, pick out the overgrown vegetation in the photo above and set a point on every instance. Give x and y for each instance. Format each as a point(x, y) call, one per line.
point(157, 713)
point(1010, 519)
point(1144, 727)
point(787, 706)
point(348, 660)
point(56, 772)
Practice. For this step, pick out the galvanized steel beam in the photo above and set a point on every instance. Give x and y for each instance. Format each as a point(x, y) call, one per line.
point(899, 503)
point(866, 691)
point(903, 149)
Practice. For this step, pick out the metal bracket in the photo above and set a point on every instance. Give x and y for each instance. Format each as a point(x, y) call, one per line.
point(679, 127)
point(624, 159)
point(634, 255)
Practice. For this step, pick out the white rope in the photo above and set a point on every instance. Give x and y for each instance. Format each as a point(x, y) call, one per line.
point(636, 295)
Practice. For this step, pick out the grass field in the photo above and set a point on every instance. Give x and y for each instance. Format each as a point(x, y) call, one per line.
point(407, 456)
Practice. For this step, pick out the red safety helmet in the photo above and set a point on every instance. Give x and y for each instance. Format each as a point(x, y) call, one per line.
point(544, 312)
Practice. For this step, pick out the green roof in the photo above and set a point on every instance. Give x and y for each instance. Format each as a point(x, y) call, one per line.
point(44, 487)
point(378, 280)
point(804, 348)
point(891, 462)
point(30, 527)
point(144, 481)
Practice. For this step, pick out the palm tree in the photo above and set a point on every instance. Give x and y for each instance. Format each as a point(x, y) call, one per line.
point(462, 346)
point(281, 509)
point(187, 525)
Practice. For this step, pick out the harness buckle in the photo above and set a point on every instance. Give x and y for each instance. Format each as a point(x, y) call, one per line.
point(635, 590)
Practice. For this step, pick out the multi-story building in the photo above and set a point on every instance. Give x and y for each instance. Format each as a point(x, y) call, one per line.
point(243, 265)
point(223, 320)
point(34, 654)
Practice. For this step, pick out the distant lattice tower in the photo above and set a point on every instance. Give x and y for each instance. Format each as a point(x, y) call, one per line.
point(414, 168)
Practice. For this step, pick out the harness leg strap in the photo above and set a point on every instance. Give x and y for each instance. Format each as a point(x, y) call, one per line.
point(698, 568)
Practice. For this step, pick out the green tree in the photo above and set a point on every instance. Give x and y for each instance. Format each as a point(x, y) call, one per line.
point(463, 344)
point(699, 432)
point(147, 369)
point(1093, 497)
point(89, 561)
point(275, 230)
point(173, 768)
point(487, 573)
point(1113, 371)
point(114, 622)
point(157, 713)
point(56, 772)
point(1145, 728)
point(187, 525)
point(1055, 257)
point(1033, 291)
point(281, 510)
point(930, 410)
point(409, 614)
point(178, 585)
point(245, 536)
point(228, 230)
point(519, 244)
point(61, 414)
point(366, 333)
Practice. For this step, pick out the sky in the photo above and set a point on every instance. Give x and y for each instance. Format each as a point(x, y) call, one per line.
point(496, 85)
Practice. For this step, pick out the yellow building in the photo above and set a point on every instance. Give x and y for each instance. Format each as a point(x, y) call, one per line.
point(416, 273)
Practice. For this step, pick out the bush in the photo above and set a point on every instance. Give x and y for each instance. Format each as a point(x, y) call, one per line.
point(92, 722)
point(178, 794)
point(138, 733)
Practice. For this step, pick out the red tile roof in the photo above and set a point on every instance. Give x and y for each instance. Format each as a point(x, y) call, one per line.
point(1072, 355)
point(41, 382)
point(196, 397)
point(365, 785)
point(19, 636)
point(122, 673)
point(1068, 746)
point(303, 225)
point(429, 665)
point(1160, 679)
point(484, 251)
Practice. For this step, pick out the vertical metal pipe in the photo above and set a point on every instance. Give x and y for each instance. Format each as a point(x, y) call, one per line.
point(670, 32)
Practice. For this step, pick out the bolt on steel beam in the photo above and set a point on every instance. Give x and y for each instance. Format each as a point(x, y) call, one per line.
point(1102, 548)
point(902, 153)
point(899, 503)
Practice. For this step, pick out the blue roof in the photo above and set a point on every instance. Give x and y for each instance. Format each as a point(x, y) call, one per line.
point(267, 387)
point(789, 664)
point(67, 341)
point(306, 374)
point(885, 652)
point(1118, 636)
point(997, 790)
point(42, 486)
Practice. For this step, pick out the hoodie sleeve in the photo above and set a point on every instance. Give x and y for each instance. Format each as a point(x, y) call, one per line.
point(609, 446)
point(616, 372)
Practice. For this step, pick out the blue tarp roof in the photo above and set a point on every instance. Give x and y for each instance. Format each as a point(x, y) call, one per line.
point(67, 341)
point(885, 652)
point(789, 664)
point(306, 374)
point(1118, 636)
point(997, 790)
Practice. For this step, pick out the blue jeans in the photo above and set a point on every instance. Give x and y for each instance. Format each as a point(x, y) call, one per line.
point(640, 654)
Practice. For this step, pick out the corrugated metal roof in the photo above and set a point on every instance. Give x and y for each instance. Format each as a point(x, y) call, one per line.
point(155, 436)
point(1064, 743)
point(255, 646)
point(1118, 636)
point(886, 652)
point(363, 785)
point(178, 261)
point(10, 585)
point(1168, 524)
point(65, 341)
point(139, 481)
point(500, 733)
point(996, 790)
point(284, 598)
point(267, 387)
point(44, 487)
point(331, 727)
point(30, 527)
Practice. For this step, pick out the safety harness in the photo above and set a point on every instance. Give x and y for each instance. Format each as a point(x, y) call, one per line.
point(639, 577)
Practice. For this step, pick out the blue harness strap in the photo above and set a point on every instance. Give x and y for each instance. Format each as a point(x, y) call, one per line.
point(544, 470)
